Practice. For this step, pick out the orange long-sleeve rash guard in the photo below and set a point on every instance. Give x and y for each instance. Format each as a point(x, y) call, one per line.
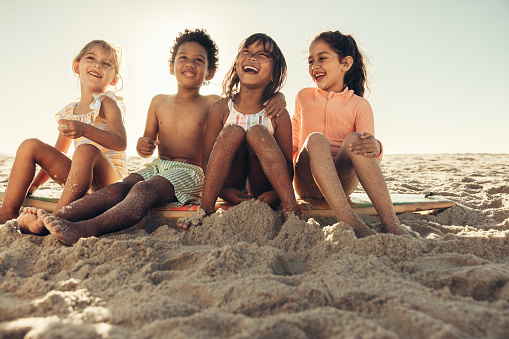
point(335, 115)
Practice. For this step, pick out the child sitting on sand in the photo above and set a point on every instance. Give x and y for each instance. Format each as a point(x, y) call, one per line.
point(241, 142)
point(96, 126)
point(333, 134)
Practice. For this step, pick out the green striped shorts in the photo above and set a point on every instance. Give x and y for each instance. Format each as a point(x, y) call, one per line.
point(187, 179)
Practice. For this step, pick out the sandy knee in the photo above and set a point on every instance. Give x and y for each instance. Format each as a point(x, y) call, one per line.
point(316, 141)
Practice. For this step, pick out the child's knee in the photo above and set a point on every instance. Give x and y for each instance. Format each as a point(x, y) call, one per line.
point(352, 137)
point(256, 132)
point(29, 145)
point(316, 140)
point(86, 150)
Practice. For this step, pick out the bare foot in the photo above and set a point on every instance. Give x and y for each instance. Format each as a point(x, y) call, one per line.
point(362, 231)
point(400, 230)
point(192, 221)
point(62, 229)
point(30, 221)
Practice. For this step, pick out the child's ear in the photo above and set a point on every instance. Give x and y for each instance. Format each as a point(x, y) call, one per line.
point(76, 67)
point(114, 82)
point(346, 63)
point(172, 68)
point(210, 75)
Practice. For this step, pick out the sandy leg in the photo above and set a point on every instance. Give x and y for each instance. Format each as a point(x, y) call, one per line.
point(30, 221)
point(65, 231)
point(192, 221)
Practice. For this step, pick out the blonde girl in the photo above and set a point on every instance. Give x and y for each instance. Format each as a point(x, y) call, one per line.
point(95, 124)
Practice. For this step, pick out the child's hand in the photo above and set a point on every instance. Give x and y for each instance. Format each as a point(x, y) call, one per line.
point(367, 146)
point(146, 146)
point(71, 128)
point(234, 195)
point(275, 106)
point(270, 198)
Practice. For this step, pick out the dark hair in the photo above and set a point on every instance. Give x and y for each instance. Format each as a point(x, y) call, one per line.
point(200, 36)
point(231, 82)
point(345, 45)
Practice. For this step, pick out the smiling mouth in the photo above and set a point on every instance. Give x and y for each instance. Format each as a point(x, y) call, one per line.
point(319, 76)
point(250, 70)
point(95, 75)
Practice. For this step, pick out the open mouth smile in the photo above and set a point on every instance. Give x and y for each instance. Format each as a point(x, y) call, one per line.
point(250, 69)
point(94, 74)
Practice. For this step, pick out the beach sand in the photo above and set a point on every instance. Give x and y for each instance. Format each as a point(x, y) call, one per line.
point(244, 274)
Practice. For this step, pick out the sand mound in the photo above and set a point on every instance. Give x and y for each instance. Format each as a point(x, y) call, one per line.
point(247, 274)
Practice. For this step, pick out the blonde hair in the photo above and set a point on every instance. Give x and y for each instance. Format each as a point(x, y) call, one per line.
point(115, 54)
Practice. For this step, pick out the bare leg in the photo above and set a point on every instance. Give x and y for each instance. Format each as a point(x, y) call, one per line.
point(220, 164)
point(30, 153)
point(226, 168)
point(315, 157)
point(94, 204)
point(90, 168)
point(274, 166)
point(141, 198)
point(369, 173)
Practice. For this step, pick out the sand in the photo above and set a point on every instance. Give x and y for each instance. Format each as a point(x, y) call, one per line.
point(245, 274)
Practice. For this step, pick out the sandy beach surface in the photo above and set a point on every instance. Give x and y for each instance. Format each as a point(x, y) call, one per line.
point(245, 274)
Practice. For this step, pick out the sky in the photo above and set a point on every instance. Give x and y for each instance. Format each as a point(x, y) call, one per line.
point(438, 70)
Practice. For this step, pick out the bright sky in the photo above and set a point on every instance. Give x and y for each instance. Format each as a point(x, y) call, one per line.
point(438, 68)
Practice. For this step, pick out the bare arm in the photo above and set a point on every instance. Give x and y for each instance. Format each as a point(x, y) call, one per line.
point(147, 144)
point(215, 122)
point(115, 138)
point(283, 136)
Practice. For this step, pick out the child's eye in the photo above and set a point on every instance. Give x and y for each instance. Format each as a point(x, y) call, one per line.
point(200, 60)
point(90, 58)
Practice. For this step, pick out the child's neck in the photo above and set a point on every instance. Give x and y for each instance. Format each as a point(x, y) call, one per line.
point(87, 97)
point(187, 93)
point(249, 101)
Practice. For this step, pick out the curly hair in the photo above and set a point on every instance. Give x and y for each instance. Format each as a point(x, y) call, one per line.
point(231, 82)
point(345, 45)
point(203, 38)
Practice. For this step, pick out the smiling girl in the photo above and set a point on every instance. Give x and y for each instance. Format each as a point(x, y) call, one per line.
point(241, 142)
point(95, 124)
point(333, 134)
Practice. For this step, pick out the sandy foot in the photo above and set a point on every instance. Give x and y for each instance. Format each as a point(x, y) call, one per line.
point(192, 221)
point(30, 221)
point(62, 229)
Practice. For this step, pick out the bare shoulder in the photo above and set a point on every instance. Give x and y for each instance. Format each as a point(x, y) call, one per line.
point(220, 104)
point(108, 105)
point(162, 98)
point(211, 99)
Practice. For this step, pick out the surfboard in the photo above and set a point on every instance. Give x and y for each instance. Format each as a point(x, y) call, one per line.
point(310, 207)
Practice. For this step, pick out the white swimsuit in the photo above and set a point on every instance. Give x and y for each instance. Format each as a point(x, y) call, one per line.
point(247, 121)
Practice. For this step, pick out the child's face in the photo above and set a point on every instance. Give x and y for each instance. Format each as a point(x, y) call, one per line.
point(191, 65)
point(254, 65)
point(325, 68)
point(96, 70)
